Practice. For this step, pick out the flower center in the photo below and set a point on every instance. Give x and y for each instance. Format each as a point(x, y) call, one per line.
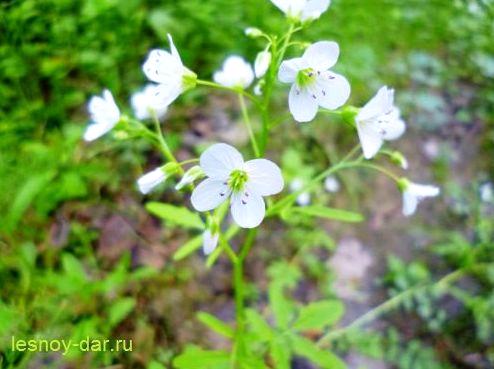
point(306, 77)
point(237, 180)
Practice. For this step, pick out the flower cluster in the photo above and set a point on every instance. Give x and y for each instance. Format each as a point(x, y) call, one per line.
point(314, 87)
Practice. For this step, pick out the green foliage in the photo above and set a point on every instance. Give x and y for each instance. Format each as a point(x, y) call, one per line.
point(215, 324)
point(176, 215)
point(196, 358)
point(319, 314)
point(325, 212)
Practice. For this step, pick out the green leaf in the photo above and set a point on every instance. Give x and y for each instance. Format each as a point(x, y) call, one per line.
point(258, 325)
point(322, 357)
point(155, 365)
point(25, 196)
point(320, 314)
point(195, 358)
point(187, 249)
point(215, 324)
point(73, 267)
point(9, 318)
point(280, 353)
point(177, 215)
point(320, 211)
point(283, 308)
point(120, 310)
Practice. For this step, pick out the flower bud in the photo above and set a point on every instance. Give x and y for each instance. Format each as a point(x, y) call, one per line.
point(190, 176)
point(261, 65)
point(253, 32)
point(403, 183)
point(399, 159)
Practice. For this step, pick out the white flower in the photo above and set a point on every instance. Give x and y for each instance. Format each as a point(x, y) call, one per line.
point(487, 192)
point(331, 184)
point(209, 241)
point(150, 180)
point(414, 193)
point(377, 121)
point(144, 103)
point(236, 72)
point(304, 198)
point(302, 9)
point(245, 182)
point(104, 116)
point(314, 84)
point(262, 62)
point(167, 70)
point(189, 177)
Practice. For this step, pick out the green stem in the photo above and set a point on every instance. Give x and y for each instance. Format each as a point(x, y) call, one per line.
point(270, 80)
point(343, 164)
point(241, 91)
point(245, 115)
point(165, 149)
point(393, 303)
point(189, 161)
point(380, 169)
point(239, 287)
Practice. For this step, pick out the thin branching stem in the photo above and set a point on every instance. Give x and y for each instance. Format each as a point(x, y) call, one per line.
point(394, 302)
point(248, 125)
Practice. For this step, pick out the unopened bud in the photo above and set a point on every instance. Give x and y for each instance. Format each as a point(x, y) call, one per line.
point(190, 176)
point(253, 32)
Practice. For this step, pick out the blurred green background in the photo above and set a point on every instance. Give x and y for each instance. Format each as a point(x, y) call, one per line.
point(80, 256)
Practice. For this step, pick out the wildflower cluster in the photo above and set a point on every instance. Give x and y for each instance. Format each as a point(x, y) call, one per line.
point(315, 87)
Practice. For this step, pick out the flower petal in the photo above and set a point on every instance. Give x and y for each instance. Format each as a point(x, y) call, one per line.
point(248, 210)
point(264, 177)
point(174, 51)
point(393, 129)
point(150, 180)
point(410, 203)
point(423, 190)
point(281, 4)
point(95, 130)
point(322, 55)
point(209, 242)
point(104, 110)
point(164, 94)
point(289, 69)
point(236, 72)
point(219, 160)
point(162, 67)
point(261, 65)
point(333, 90)
point(302, 104)
point(209, 194)
point(376, 106)
point(370, 139)
point(314, 8)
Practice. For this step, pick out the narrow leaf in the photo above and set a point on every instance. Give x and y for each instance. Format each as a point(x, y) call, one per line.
point(215, 324)
point(196, 358)
point(320, 211)
point(177, 215)
point(322, 357)
point(120, 310)
point(188, 248)
point(258, 325)
point(320, 314)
